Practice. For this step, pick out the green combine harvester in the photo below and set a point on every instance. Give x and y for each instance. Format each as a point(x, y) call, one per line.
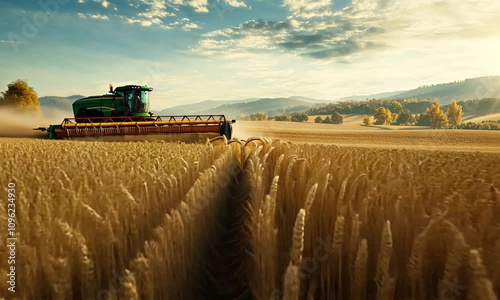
point(125, 111)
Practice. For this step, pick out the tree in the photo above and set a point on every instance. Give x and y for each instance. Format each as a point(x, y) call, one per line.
point(283, 118)
point(454, 113)
point(423, 120)
point(367, 120)
point(438, 118)
point(299, 117)
point(337, 118)
point(327, 120)
point(382, 116)
point(404, 117)
point(318, 120)
point(21, 96)
point(396, 107)
point(258, 116)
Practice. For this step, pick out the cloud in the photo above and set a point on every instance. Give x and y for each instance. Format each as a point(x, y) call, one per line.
point(104, 3)
point(189, 26)
point(235, 3)
point(312, 30)
point(6, 41)
point(93, 16)
point(309, 8)
point(200, 6)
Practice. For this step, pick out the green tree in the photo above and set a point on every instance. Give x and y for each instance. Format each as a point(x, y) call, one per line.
point(258, 116)
point(404, 117)
point(367, 120)
point(454, 113)
point(21, 96)
point(327, 120)
point(299, 117)
point(337, 118)
point(423, 120)
point(318, 120)
point(396, 107)
point(283, 117)
point(382, 116)
point(438, 118)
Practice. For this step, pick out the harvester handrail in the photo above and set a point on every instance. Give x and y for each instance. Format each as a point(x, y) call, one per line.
point(131, 119)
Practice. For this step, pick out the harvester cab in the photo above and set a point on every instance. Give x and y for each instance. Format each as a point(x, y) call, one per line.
point(124, 101)
point(125, 111)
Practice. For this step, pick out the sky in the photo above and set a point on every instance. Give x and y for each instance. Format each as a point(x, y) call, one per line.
point(194, 50)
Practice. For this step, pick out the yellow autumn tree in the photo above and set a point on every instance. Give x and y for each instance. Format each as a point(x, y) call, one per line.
point(382, 116)
point(21, 96)
point(396, 107)
point(367, 120)
point(438, 118)
point(454, 113)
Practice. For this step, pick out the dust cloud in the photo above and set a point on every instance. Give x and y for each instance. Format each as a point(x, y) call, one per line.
point(16, 124)
point(242, 131)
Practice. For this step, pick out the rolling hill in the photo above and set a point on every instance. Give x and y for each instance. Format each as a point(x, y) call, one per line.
point(475, 88)
point(236, 107)
point(386, 95)
point(49, 103)
point(270, 106)
point(198, 107)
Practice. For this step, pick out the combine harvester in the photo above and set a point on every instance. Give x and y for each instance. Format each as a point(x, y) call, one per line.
point(125, 111)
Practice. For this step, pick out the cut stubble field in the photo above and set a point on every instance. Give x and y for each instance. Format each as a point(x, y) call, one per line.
point(352, 133)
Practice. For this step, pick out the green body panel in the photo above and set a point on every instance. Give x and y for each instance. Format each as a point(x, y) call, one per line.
point(51, 131)
point(129, 100)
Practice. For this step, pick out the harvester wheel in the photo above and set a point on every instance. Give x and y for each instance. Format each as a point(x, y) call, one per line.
point(226, 129)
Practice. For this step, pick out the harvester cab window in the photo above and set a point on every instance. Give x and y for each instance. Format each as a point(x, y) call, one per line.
point(142, 103)
point(129, 98)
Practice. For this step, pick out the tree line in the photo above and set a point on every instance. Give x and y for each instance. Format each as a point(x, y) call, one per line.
point(433, 116)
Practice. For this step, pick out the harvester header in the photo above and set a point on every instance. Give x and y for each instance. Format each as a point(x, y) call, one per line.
point(125, 111)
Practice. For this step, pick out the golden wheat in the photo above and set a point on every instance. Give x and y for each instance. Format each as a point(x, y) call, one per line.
point(155, 221)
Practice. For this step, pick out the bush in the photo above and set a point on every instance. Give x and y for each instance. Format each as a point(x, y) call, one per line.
point(318, 120)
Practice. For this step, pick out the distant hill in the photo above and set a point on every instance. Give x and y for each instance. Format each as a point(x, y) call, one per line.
point(49, 103)
point(387, 95)
point(246, 106)
point(475, 88)
point(270, 106)
point(197, 107)
point(310, 100)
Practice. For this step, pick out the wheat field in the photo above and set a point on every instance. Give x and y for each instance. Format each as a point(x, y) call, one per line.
point(253, 219)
